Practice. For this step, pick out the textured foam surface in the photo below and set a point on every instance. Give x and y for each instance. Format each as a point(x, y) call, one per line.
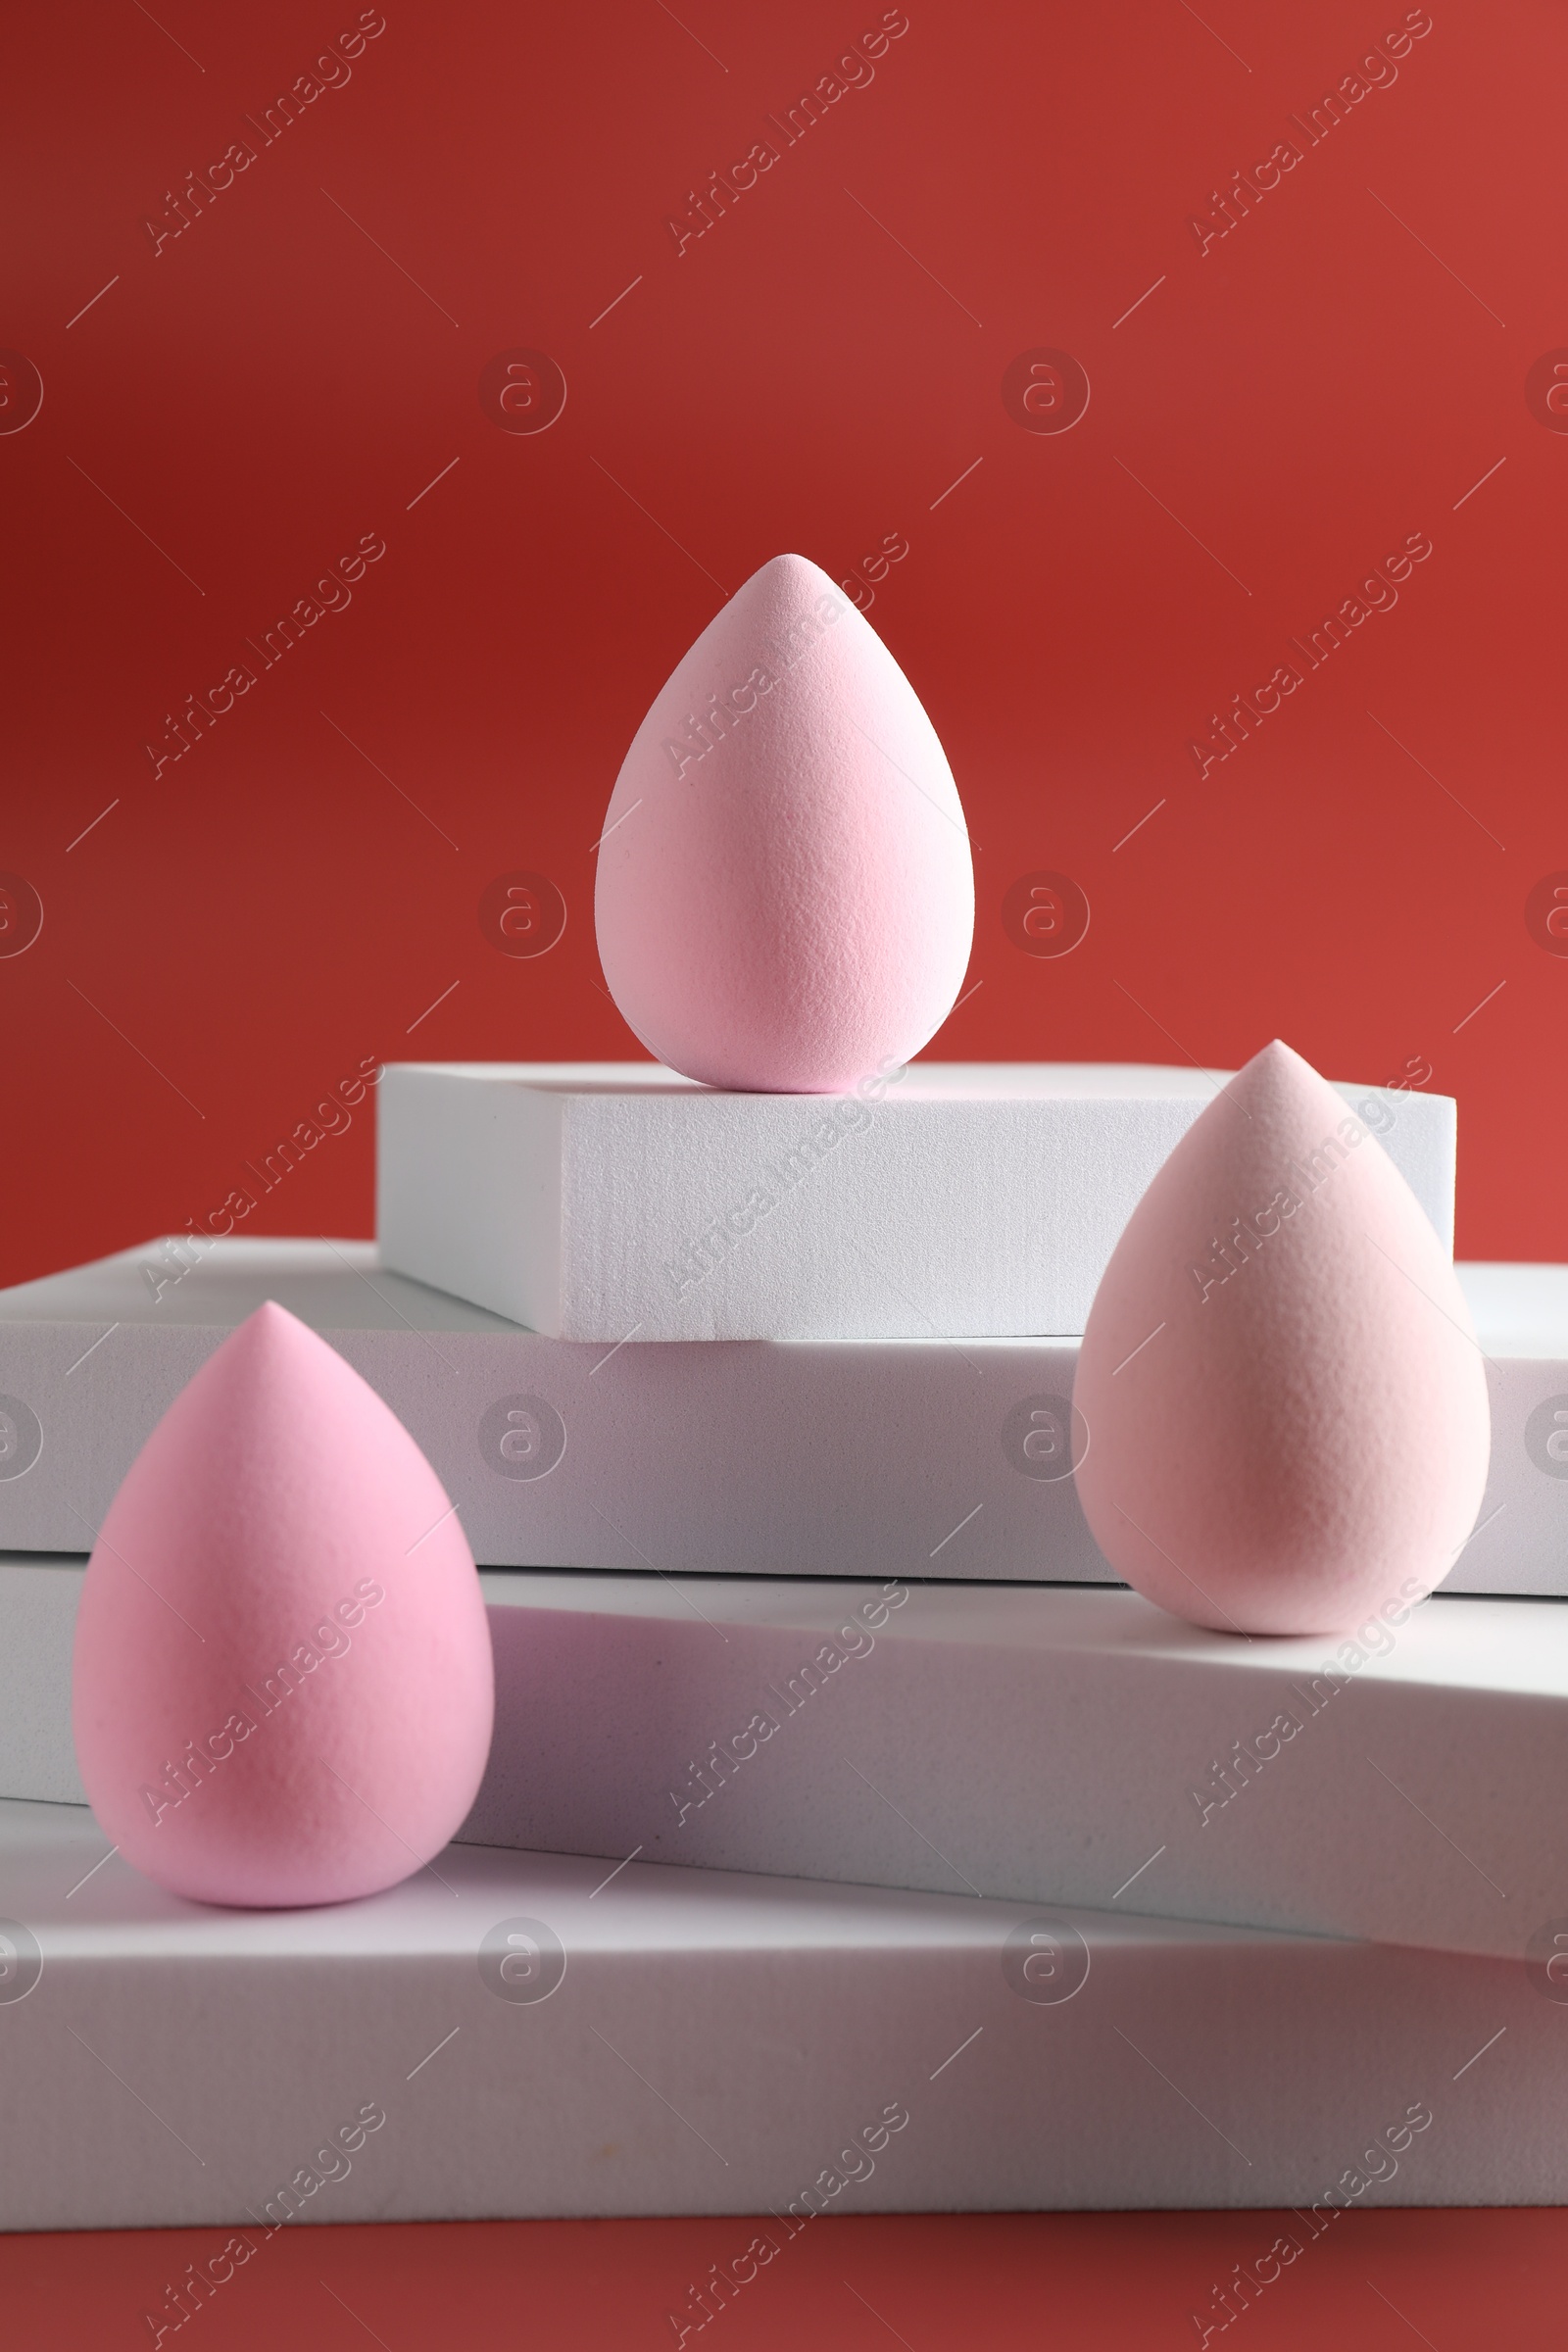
point(785, 899)
point(709, 2042)
point(686, 1456)
point(1284, 1400)
point(837, 1730)
point(283, 1685)
point(610, 1201)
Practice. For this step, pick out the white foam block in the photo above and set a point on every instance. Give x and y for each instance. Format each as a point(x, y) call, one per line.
point(39, 1599)
point(713, 2043)
point(826, 1458)
point(816, 1458)
point(1050, 1745)
point(615, 1200)
point(1520, 1543)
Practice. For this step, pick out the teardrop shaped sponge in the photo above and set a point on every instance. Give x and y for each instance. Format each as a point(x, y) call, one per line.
point(282, 1682)
point(785, 898)
point(1286, 1403)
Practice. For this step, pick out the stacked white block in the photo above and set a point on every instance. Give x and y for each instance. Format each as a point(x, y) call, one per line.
point(522, 2035)
point(860, 1858)
point(898, 1457)
point(612, 1202)
point(39, 1596)
point(1055, 1747)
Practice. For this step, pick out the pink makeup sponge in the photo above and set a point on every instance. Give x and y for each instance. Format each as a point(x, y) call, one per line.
point(1286, 1408)
point(785, 898)
point(282, 1683)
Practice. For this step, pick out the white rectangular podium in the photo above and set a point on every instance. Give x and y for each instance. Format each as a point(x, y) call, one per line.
point(892, 1457)
point(1010, 1741)
point(615, 1201)
point(512, 2033)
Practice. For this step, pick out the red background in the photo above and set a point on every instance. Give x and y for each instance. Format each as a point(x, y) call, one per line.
point(1007, 2282)
point(238, 933)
